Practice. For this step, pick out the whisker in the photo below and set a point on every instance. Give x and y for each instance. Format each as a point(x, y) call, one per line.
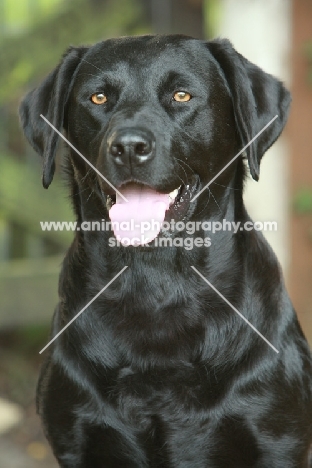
point(87, 74)
point(84, 60)
point(177, 161)
point(91, 193)
point(86, 174)
point(184, 162)
point(207, 203)
point(186, 133)
point(226, 186)
point(215, 200)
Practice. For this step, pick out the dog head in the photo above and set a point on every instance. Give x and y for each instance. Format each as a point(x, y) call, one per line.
point(162, 113)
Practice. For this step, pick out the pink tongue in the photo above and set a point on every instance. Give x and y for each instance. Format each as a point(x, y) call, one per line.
point(138, 221)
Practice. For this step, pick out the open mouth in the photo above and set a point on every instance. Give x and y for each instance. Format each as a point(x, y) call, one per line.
point(178, 199)
point(140, 218)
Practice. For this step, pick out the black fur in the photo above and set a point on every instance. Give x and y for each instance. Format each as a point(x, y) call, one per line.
point(159, 371)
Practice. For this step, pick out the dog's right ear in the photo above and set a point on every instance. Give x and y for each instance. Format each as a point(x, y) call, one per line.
point(49, 99)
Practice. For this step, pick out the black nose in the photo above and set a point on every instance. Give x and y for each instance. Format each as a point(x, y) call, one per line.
point(131, 146)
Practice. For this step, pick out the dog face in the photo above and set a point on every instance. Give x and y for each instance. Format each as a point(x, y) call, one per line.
point(153, 101)
point(162, 112)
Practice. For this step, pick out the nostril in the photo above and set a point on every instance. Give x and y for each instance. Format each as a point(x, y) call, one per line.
point(117, 150)
point(142, 149)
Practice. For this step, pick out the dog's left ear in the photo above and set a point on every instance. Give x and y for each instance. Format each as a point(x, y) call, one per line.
point(49, 99)
point(257, 98)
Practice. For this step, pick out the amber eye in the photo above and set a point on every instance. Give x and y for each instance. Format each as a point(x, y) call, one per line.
point(99, 98)
point(182, 96)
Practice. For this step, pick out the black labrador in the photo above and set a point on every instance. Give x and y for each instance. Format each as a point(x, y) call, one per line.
point(160, 370)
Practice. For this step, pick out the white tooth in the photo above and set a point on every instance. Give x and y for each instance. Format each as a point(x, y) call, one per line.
point(174, 193)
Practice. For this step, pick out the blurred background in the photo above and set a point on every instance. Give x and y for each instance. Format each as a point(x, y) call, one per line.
point(275, 34)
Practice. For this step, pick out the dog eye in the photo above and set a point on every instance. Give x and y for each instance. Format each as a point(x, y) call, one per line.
point(182, 96)
point(99, 98)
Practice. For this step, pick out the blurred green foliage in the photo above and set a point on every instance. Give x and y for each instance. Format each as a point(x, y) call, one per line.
point(26, 57)
point(212, 17)
point(303, 201)
point(17, 15)
point(23, 199)
point(33, 38)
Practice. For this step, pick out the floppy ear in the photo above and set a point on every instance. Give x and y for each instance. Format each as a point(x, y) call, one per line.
point(49, 99)
point(257, 98)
